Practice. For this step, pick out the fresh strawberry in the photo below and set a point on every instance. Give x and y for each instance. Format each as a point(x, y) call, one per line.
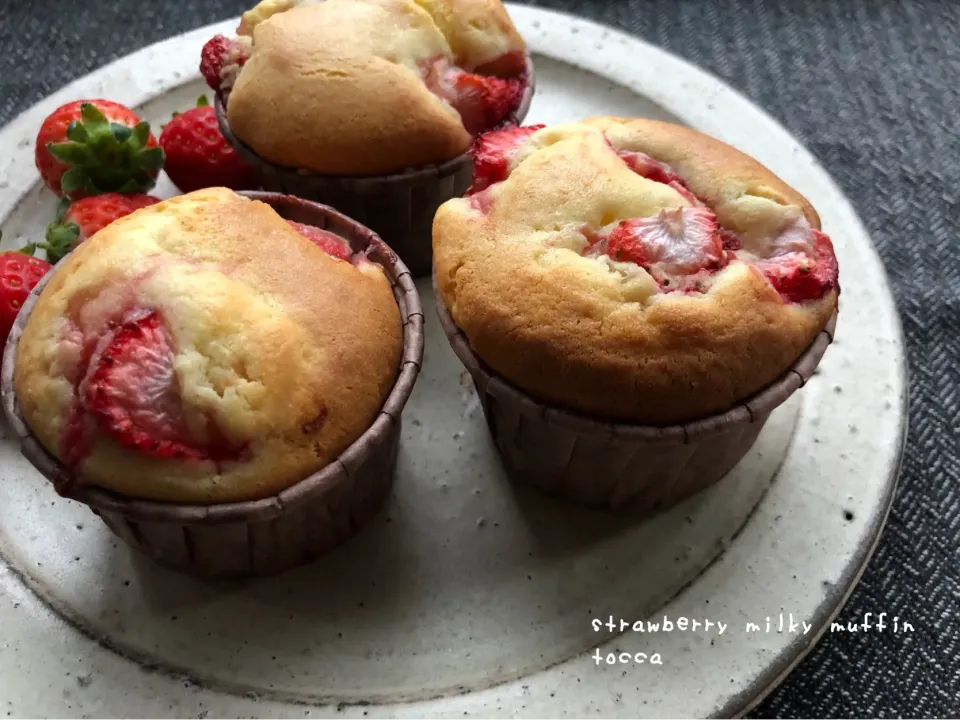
point(78, 221)
point(799, 277)
point(492, 153)
point(484, 102)
point(19, 274)
point(217, 57)
point(332, 245)
point(132, 392)
point(198, 155)
point(89, 147)
point(677, 241)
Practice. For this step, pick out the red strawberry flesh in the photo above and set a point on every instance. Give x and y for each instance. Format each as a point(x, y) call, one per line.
point(331, 244)
point(800, 278)
point(485, 102)
point(218, 53)
point(645, 166)
point(677, 241)
point(132, 391)
point(492, 153)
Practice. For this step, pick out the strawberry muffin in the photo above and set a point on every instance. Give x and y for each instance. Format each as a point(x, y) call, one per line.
point(176, 367)
point(370, 106)
point(615, 282)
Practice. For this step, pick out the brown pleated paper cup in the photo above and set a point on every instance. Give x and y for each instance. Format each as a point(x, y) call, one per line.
point(399, 207)
point(616, 466)
point(277, 533)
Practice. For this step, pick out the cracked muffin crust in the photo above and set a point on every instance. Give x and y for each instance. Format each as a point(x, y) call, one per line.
point(205, 350)
point(362, 87)
point(632, 270)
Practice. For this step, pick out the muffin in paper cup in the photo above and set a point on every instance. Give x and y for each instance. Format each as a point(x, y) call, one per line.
point(271, 515)
point(632, 300)
point(330, 102)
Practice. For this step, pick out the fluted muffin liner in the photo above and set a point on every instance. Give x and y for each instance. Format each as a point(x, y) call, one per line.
point(286, 530)
point(617, 466)
point(399, 207)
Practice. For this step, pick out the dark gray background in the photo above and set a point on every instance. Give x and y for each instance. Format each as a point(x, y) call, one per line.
point(873, 89)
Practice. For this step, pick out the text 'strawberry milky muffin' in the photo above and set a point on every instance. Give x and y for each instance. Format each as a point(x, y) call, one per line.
point(208, 351)
point(370, 105)
point(617, 280)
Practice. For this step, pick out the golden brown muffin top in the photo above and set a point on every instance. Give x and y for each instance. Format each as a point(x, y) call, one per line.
point(202, 350)
point(373, 86)
point(632, 270)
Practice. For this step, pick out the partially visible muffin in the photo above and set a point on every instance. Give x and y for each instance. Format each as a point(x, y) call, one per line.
point(632, 270)
point(203, 350)
point(368, 87)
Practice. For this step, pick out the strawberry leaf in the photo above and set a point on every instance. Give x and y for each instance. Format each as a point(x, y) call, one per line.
point(202, 101)
point(152, 159)
point(94, 120)
point(141, 134)
point(77, 132)
point(61, 239)
point(121, 133)
point(62, 206)
point(71, 153)
point(130, 186)
point(72, 180)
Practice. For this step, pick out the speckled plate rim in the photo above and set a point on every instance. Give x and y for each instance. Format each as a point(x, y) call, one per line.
point(701, 101)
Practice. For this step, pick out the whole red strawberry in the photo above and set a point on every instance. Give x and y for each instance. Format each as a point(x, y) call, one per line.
point(198, 155)
point(19, 274)
point(89, 147)
point(75, 222)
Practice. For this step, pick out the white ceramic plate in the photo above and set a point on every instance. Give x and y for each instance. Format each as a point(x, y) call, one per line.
point(469, 596)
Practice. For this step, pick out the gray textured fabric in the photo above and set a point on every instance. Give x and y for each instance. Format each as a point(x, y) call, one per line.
point(872, 88)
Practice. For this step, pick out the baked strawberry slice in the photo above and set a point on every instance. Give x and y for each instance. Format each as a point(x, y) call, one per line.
point(484, 102)
point(798, 277)
point(220, 60)
point(678, 241)
point(492, 153)
point(132, 392)
point(645, 166)
point(333, 245)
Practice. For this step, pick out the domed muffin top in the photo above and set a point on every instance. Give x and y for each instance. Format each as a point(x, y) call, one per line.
point(371, 86)
point(203, 350)
point(632, 270)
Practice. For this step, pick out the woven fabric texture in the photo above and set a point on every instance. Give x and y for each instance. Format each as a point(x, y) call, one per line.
point(871, 87)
